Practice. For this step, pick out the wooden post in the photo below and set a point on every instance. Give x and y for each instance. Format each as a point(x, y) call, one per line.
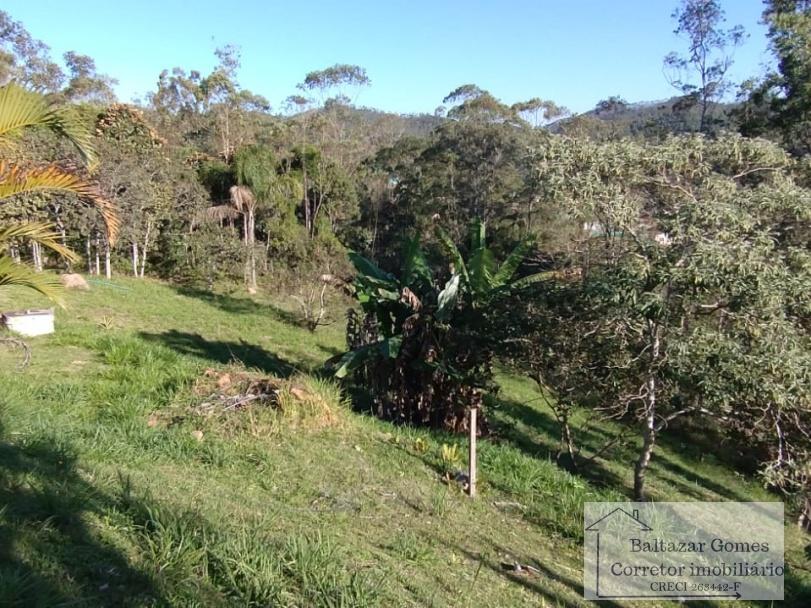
point(472, 454)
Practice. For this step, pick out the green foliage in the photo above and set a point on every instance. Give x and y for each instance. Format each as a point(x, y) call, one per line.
point(12, 273)
point(691, 257)
point(781, 100)
point(354, 514)
point(22, 110)
point(428, 358)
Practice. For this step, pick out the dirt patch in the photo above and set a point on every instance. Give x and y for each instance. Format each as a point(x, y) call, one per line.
point(223, 391)
point(220, 395)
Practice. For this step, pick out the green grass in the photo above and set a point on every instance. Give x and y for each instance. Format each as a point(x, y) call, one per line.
point(109, 497)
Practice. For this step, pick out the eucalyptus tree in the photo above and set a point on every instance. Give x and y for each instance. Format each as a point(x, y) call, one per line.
point(539, 112)
point(328, 146)
point(708, 54)
point(467, 169)
point(133, 174)
point(470, 103)
point(212, 112)
point(84, 83)
point(340, 81)
point(381, 213)
point(25, 60)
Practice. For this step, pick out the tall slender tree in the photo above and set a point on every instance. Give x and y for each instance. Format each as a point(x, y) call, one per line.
point(709, 54)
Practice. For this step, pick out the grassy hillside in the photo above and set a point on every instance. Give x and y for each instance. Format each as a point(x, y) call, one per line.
point(125, 482)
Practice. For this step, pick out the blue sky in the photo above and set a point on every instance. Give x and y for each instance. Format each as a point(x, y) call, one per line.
point(574, 52)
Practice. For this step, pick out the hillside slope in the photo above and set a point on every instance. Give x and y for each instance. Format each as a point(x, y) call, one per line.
point(122, 485)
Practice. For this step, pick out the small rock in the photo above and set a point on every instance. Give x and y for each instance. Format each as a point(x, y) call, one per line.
point(198, 435)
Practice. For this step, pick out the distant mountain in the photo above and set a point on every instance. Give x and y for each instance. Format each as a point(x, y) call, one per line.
point(412, 124)
point(615, 117)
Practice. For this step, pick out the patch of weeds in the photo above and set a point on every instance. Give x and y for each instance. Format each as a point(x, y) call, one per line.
point(190, 557)
point(439, 501)
point(408, 545)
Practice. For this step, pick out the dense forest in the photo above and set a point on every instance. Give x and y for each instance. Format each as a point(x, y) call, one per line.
point(646, 263)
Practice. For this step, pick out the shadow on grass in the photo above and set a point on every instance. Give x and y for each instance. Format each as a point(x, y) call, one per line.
point(48, 555)
point(538, 586)
point(687, 480)
point(222, 352)
point(544, 442)
point(239, 305)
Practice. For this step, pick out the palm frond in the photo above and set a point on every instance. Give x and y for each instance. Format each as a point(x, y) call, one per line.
point(218, 213)
point(21, 109)
point(16, 179)
point(42, 233)
point(12, 273)
point(242, 198)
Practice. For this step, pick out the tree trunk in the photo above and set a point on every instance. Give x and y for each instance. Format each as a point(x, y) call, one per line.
point(146, 248)
point(648, 441)
point(566, 436)
point(804, 521)
point(134, 258)
point(250, 239)
point(64, 238)
point(36, 256)
point(307, 219)
point(649, 428)
point(314, 216)
point(267, 255)
point(562, 416)
point(89, 256)
point(98, 261)
point(108, 271)
point(705, 103)
point(252, 270)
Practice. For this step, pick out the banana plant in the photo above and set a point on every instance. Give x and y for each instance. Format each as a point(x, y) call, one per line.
point(431, 353)
point(390, 301)
point(481, 277)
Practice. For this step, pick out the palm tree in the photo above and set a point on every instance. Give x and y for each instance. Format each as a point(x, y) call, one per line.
point(20, 110)
point(259, 184)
